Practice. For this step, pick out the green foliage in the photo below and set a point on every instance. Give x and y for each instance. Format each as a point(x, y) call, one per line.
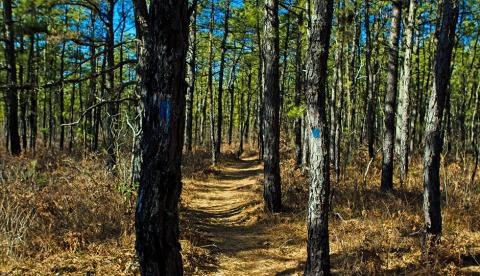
point(295, 112)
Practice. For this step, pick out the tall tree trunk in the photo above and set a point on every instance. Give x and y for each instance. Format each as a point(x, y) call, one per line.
point(89, 127)
point(210, 86)
point(12, 98)
point(271, 121)
point(112, 108)
point(260, 104)
point(45, 102)
point(249, 98)
point(341, 93)
point(203, 109)
point(61, 118)
point(298, 90)
point(191, 85)
point(352, 73)
point(284, 87)
point(97, 119)
point(218, 141)
point(32, 115)
point(162, 29)
point(370, 116)
point(404, 95)
point(318, 252)
point(433, 133)
point(390, 98)
point(240, 119)
point(231, 91)
point(23, 100)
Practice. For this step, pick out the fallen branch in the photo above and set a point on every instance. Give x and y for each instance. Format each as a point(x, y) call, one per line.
point(368, 167)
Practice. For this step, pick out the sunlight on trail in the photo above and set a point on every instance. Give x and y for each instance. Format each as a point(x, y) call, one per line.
point(229, 206)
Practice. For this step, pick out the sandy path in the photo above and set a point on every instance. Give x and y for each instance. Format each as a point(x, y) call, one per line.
point(228, 206)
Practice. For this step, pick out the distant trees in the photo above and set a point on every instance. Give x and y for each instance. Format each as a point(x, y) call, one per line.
point(434, 120)
point(318, 253)
point(271, 121)
point(162, 30)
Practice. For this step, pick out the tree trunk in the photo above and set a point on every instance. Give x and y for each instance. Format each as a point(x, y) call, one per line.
point(162, 30)
point(191, 85)
point(242, 127)
point(61, 118)
point(298, 91)
point(249, 97)
point(271, 122)
point(203, 109)
point(370, 116)
point(32, 116)
point(260, 104)
point(12, 98)
point(284, 87)
point(92, 86)
point(390, 98)
point(404, 95)
point(23, 102)
point(210, 86)
point(318, 258)
point(341, 92)
point(433, 133)
point(231, 91)
point(112, 108)
point(218, 141)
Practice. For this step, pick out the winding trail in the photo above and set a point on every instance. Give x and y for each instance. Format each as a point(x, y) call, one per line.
point(228, 207)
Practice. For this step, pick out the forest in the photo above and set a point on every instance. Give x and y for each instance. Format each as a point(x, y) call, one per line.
point(239, 137)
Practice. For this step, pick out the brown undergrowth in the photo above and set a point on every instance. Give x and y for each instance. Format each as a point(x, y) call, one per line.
point(66, 215)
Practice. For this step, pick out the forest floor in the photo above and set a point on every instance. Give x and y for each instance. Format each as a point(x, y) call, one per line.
point(63, 214)
point(226, 208)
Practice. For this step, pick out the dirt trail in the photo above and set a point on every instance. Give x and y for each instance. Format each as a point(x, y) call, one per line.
point(228, 207)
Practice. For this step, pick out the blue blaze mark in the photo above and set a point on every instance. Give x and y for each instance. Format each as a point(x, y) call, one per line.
point(316, 132)
point(165, 111)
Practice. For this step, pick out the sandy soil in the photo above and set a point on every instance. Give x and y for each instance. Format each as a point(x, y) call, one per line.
point(227, 207)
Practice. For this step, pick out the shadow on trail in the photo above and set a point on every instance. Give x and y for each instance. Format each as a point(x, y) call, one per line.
point(225, 211)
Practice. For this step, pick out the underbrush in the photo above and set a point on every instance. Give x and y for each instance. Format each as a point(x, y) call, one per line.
point(375, 233)
point(63, 213)
point(60, 213)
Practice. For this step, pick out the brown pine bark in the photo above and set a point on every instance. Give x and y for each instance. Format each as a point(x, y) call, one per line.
point(433, 132)
point(162, 31)
point(271, 121)
point(12, 97)
point(318, 252)
point(391, 98)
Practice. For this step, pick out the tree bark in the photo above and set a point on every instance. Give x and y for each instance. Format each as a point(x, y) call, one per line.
point(370, 116)
point(260, 104)
point(162, 30)
point(390, 98)
point(433, 133)
point(271, 121)
point(12, 97)
point(404, 95)
point(61, 118)
point(210, 86)
point(32, 114)
point(191, 85)
point(112, 108)
point(298, 91)
point(318, 258)
point(218, 140)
